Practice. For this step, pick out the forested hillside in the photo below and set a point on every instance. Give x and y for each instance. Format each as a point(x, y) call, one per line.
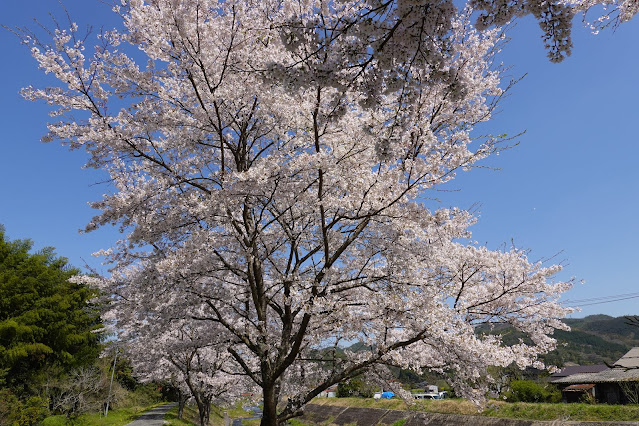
point(595, 339)
point(613, 329)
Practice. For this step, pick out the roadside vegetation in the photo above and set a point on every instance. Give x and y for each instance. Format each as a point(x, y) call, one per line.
point(128, 406)
point(117, 417)
point(563, 411)
point(501, 409)
point(190, 416)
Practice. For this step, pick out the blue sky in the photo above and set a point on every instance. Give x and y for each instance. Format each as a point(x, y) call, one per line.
point(570, 188)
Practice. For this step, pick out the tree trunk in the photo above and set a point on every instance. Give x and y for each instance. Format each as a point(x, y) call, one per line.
point(204, 415)
point(182, 398)
point(269, 411)
point(204, 408)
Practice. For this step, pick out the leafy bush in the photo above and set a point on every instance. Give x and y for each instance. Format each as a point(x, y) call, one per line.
point(355, 387)
point(8, 403)
point(33, 411)
point(14, 412)
point(530, 391)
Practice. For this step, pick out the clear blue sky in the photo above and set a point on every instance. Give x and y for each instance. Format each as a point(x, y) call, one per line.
point(570, 188)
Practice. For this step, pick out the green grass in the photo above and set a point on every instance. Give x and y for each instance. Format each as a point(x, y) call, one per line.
point(254, 422)
point(501, 409)
point(573, 411)
point(216, 418)
point(389, 404)
point(189, 417)
point(116, 417)
point(447, 406)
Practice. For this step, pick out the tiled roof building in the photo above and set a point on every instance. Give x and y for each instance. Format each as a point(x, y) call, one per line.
point(619, 384)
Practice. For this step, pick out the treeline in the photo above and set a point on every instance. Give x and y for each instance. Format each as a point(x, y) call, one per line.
point(50, 340)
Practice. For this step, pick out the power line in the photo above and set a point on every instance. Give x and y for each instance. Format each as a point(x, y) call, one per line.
point(595, 299)
point(609, 301)
point(601, 300)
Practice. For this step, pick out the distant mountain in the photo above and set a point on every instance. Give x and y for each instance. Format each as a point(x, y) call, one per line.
point(614, 329)
point(595, 339)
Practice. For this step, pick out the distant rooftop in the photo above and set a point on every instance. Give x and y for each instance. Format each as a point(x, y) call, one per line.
point(626, 369)
point(629, 360)
point(608, 376)
point(579, 369)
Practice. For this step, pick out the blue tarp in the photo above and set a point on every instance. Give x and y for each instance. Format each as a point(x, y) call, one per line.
point(387, 395)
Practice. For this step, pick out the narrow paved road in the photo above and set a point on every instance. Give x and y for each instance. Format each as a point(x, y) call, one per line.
point(154, 417)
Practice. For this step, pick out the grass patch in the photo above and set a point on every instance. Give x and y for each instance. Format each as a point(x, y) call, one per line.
point(191, 416)
point(501, 409)
point(116, 417)
point(236, 412)
point(446, 406)
point(388, 404)
point(565, 412)
point(254, 422)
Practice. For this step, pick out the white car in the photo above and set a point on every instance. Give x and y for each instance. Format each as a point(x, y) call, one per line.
point(426, 396)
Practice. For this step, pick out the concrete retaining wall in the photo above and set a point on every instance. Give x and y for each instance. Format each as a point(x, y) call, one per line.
point(330, 414)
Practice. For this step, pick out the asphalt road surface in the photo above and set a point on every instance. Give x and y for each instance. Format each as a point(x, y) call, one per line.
point(154, 417)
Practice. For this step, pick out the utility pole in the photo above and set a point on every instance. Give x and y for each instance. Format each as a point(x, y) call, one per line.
point(115, 357)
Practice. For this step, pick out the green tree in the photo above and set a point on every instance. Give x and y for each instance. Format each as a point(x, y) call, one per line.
point(356, 386)
point(530, 391)
point(47, 324)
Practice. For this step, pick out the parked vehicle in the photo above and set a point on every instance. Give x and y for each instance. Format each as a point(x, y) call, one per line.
point(426, 396)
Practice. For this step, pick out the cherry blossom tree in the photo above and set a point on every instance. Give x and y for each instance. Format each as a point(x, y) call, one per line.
point(606, 12)
point(271, 166)
point(187, 354)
